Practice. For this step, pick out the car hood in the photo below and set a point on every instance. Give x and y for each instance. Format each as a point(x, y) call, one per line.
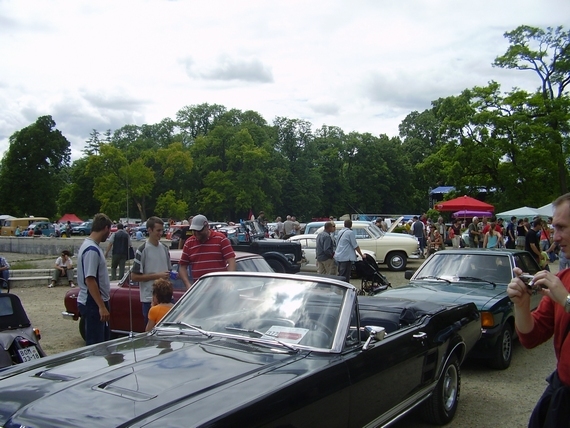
point(483, 295)
point(133, 379)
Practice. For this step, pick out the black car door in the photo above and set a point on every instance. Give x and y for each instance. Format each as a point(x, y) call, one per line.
point(387, 374)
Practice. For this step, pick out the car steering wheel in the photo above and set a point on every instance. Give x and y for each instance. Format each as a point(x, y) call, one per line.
point(321, 326)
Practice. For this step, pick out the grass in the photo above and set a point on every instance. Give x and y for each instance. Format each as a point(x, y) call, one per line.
point(22, 265)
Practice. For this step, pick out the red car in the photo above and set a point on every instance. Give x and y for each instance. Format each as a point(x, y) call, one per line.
point(125, 298)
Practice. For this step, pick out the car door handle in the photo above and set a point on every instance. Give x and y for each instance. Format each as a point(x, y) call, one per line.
point(421, 336)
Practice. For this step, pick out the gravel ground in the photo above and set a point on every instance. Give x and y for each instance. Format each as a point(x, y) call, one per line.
point(489, 398)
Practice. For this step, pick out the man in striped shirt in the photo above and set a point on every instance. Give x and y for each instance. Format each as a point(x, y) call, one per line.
point(205, 251)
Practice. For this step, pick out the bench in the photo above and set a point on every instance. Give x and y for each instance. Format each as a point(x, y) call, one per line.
point(20, 278)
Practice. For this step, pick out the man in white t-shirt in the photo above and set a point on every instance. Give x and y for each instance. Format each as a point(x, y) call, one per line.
point(152, 262)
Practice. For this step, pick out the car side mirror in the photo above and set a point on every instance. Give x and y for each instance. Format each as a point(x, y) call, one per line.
point(409, 273)
point(375, 334)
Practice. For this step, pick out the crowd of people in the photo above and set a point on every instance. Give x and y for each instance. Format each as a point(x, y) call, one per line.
point(535, 237)
point(204, 251)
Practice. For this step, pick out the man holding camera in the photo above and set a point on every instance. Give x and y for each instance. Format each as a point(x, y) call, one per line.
point(552, 317)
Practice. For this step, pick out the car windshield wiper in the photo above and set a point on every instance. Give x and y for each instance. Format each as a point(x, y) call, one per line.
point(259, 334)
point(185, 324)
point(437, 278)
point(474, 278)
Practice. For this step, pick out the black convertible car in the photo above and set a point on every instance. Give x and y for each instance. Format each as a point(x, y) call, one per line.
point(257, 350)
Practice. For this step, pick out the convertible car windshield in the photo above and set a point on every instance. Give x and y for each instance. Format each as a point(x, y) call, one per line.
point(288, 311)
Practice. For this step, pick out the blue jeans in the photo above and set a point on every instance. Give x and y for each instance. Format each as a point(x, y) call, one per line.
point(96, 331)
point(5, 277)
point(145, 308)
point(344, 269)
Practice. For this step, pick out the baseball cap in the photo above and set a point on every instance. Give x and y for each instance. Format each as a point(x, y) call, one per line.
point(198, 222)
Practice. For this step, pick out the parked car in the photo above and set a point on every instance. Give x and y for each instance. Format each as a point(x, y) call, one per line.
point(83, 229)
point(480, 276)
point(19, 341)
point(10, 225)
point(125, 296)
point(257, 349)
point(392, 249)
point(63, 231)
point(45, 227)
point(309, 246)
point(140, 228)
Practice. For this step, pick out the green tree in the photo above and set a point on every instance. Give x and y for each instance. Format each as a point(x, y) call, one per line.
point(301, 181)
point(118, 182)
point(30, 178)
point(77, 194)
point(198, 120)
point(547, 54)
point(331, 147)
point(167, 205)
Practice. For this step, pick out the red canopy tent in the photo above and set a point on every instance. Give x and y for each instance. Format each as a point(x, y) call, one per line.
point(464, 203)
point(70, 217)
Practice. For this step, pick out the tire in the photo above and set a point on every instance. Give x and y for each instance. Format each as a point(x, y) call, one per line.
point(397, 261)
point(440, 407)
point(82, 327)
point(81, 233)
point(276, 266)
point(503, 352)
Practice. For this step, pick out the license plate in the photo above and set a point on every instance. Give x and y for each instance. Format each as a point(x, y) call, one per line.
point(29, 354)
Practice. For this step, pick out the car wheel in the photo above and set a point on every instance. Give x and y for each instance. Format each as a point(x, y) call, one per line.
point(276, 266)
point(81, 233)
point(440, 408)
point(503, 352)
point(82, 327)
point(396, 261)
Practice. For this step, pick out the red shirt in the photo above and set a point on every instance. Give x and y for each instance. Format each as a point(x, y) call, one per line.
point(551, 318)
point(488, 227)
point(210, 256)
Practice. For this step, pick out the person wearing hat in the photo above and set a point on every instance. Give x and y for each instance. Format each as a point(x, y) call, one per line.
point(205, 251)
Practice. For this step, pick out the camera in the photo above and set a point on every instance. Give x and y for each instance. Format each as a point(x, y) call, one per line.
point(529, 281)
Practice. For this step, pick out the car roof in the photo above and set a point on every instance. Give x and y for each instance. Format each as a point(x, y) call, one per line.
point(303, 236)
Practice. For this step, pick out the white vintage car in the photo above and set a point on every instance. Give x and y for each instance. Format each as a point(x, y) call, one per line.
point(309, 245)
point(392, 249)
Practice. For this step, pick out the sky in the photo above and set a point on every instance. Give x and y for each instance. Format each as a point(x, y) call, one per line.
point(360, 65)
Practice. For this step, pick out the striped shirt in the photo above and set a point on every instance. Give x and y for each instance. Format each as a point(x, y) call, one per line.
point(210, 256)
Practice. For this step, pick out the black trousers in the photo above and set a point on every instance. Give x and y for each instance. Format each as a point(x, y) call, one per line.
point(552, 409)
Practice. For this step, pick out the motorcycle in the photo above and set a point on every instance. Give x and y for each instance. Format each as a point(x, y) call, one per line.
point(19, 342)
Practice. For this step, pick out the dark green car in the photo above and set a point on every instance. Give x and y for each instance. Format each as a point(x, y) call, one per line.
point(480, 276)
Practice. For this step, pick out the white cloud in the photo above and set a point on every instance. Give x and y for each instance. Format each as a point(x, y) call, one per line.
point(361, 66)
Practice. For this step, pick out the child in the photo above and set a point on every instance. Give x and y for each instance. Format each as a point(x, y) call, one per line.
point(161, 302)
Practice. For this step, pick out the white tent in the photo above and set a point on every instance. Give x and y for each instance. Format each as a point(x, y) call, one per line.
point(546, 210)
point(521, 212)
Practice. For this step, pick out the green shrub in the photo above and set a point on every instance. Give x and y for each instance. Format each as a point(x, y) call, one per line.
point(22, 265)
